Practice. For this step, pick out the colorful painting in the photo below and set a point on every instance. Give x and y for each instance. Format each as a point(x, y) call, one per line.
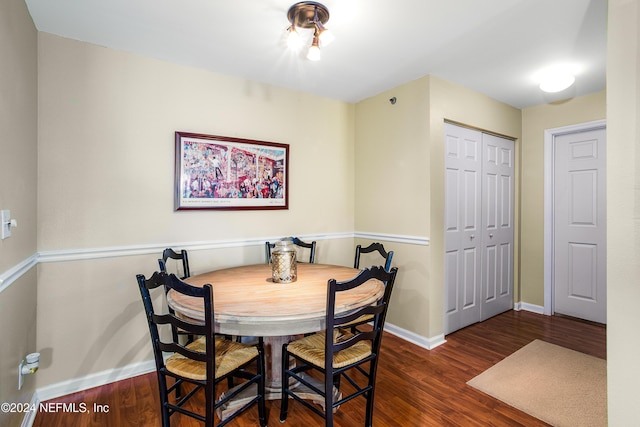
point(217, 172)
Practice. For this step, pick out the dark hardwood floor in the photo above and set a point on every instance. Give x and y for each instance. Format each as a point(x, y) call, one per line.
point(415, 387)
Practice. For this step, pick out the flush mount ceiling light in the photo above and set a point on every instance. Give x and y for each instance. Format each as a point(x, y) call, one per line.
point(309, 15)
point(556, 79)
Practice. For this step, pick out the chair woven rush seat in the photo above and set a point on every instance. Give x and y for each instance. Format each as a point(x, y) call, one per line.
point(230, 355)
point(311, 348)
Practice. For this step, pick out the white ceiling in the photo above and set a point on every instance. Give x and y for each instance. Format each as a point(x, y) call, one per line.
point(494, 47)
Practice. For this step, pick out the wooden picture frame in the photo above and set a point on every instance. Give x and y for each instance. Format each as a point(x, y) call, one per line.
point(220, 172)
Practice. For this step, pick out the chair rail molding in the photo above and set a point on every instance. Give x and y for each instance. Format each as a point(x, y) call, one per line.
point(119, 251)
point(15, 272)
point(81, 254)
point(412, 240)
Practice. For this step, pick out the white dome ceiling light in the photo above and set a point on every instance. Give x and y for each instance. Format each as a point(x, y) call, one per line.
point(556, 79)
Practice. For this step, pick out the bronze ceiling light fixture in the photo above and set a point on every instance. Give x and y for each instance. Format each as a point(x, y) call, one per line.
point(309, 15)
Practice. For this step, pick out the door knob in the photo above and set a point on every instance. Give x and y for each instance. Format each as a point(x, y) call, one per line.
point(490, 236)
point(472, 237)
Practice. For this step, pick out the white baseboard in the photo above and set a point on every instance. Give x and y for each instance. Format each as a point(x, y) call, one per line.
point(75, 385)
point(30, 416)
point(428, 343)
point(528, 307)
point(94, 380)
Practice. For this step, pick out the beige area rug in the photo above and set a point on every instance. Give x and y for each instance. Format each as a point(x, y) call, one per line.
point(559, 386)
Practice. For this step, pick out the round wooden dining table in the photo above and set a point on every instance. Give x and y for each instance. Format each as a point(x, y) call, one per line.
point(247, 302)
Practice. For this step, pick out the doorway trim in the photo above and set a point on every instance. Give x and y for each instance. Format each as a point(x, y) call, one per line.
point(549, 137)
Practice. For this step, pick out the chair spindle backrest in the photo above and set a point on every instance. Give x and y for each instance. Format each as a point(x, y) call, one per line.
point(157, 320)
point(180, 256)
point(311, 246)
point(374, 247)
point(378, 310)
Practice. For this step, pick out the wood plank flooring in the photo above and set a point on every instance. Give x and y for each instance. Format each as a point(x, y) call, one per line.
point(415, 387)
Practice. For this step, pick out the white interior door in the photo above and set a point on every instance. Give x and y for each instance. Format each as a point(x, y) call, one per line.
point(497, 225)
point(579, 270)
point(463, 149)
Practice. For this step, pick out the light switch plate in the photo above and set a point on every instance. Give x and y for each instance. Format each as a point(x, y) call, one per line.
point(5, 224)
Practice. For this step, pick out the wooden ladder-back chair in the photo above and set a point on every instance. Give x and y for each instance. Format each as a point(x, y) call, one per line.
point(311, 246)
point(339, 353)
point(388, 256)
point(180, 256)
point(203, 363)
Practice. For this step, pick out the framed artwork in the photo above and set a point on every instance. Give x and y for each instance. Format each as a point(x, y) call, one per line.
point(220, 172)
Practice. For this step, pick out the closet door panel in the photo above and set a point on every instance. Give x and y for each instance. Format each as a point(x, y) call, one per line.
point(462, 227)
point(497, 225)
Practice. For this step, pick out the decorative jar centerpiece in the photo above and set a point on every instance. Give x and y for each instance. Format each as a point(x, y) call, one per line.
point(283, 262)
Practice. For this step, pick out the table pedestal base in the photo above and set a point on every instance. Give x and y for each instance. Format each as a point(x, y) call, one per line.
point(242, 398)
point(273, 381)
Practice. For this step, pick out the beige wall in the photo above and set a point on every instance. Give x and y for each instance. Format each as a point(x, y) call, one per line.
point(18, 190)
point(108, 118)
point(18, 124)
point(18, 317)
point(400, 155)
point(391, 189)
point(390, 161)
point(623, 211)
point(106, 177)
point(535, 120)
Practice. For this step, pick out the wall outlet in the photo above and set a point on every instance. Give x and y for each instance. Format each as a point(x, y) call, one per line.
point(5, 224)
